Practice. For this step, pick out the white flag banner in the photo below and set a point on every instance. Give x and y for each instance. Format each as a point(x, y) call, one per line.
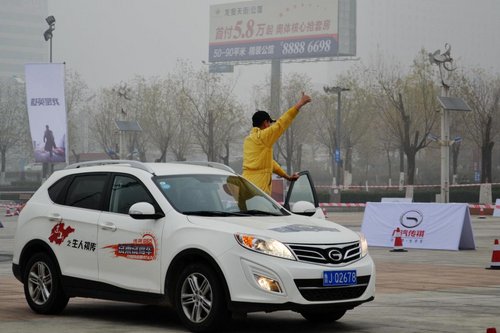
point(47, 111)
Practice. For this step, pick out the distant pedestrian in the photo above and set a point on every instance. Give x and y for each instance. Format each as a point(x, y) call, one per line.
point(258, 162)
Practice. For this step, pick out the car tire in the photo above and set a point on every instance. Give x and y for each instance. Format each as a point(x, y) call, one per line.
point(323, 317)
point(199, 299)
point(42, 285)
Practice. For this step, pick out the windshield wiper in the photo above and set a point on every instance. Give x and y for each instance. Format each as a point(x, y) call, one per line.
point(214, 213)
point(260, 212)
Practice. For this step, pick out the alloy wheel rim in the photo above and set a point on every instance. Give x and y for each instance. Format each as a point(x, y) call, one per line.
point(40, 283)
point(196, 297)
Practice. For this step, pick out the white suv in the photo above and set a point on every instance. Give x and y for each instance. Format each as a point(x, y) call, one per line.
point(201, 239)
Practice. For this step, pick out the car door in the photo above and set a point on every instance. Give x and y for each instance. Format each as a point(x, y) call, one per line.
point(73, 236)
point(128, 249)
point(303, 190)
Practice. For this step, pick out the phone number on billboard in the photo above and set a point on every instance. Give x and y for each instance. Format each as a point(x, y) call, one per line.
point(304, 48)
point(301, 47)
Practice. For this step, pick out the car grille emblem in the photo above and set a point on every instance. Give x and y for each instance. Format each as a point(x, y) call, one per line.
point(335, 255)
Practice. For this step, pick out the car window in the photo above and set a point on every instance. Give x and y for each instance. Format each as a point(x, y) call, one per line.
point(125, 192)
point(55, 191)
point(217, 194)
point(86, 191)
point(302, 190)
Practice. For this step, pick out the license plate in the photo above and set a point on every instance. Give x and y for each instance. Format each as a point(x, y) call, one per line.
point(339, 278)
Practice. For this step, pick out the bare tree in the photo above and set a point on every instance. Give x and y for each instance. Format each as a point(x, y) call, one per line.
point(290, 145)
point(411, 113)
point(13, 122)
point(482, 92)
point(77, 95)
point(324, 125)
point(103, 122)
point(213, 109)
point(182, 138)
point(355, 122)
point(154, 106)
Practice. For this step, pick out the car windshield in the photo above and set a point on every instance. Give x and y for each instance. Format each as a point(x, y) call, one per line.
point(216, 195)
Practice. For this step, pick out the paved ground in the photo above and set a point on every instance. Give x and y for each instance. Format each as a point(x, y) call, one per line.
point(417, 291)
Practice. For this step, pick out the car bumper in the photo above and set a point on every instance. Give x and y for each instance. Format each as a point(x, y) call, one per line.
point(244, 307)
point(300, 283)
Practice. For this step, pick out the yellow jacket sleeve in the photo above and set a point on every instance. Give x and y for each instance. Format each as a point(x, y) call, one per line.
point(277, 169)
point(271, 134)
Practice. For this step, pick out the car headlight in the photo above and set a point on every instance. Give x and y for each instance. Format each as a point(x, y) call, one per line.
point(268, 246)
point(363, 244)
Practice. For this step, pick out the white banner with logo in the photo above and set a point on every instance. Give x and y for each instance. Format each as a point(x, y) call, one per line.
point(47, 111)
point(422, 225)
point(496, 211)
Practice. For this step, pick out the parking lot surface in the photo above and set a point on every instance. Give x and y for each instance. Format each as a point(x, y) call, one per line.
point(417, 291)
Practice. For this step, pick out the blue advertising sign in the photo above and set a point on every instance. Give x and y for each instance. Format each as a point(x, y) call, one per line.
point(477, 176)
point(337, 155)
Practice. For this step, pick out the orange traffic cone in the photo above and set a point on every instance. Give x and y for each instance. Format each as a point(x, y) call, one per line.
point(495, 256)
point(398, 241)
point(481, 213)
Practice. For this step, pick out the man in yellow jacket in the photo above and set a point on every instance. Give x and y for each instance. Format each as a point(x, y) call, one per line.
point(258, 162)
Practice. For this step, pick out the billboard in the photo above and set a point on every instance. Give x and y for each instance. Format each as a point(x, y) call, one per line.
point(281, 29)
point(47, 111)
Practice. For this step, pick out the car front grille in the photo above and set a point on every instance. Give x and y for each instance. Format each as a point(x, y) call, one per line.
point(332, 254)
point(314, 291)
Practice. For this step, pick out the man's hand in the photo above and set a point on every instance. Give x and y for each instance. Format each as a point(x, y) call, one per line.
point(304, 99)
point(293, 177)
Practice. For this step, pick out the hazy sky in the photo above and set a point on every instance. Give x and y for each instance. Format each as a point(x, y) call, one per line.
point(108, 41)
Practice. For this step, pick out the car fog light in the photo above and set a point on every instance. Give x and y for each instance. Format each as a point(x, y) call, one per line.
point(268, 284)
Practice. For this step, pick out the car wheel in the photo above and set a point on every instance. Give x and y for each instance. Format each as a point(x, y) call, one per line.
point(199, 299)
point(42, 285)
point(323, 317)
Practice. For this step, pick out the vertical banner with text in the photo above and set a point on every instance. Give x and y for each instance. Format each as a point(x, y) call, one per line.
point(47, 111)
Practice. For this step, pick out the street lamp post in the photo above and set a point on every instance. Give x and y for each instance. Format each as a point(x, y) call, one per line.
point(47, 35)
point(445, 63)
point(338, 160)
point(51, 21)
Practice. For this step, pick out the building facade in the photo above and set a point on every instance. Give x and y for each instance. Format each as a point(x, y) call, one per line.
point(22, 24)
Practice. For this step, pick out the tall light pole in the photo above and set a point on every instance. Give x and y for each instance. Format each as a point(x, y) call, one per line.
point(51, 21)
point(338, 159)
point(445, 63)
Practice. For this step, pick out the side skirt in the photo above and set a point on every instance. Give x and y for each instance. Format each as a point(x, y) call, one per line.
point(75, 287)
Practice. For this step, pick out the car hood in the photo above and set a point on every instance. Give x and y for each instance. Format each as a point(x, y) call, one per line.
point(287, 229)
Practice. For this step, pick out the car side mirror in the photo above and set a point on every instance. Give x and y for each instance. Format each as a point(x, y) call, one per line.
point(304, 208)
point(144, 211)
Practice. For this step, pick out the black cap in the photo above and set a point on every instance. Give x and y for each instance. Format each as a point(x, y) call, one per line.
point(259, 117)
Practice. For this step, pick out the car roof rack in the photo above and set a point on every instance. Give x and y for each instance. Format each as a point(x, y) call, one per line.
point(208, 164)
point(132, 163)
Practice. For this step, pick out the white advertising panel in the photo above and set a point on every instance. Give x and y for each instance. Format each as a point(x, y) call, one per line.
point(278, 29)
point(496, 211)
point(422, 225)
point(47, 111)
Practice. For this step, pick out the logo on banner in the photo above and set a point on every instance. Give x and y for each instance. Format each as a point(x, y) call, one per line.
point(411, 219)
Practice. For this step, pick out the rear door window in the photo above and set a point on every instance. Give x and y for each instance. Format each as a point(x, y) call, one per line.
point(87, 191)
